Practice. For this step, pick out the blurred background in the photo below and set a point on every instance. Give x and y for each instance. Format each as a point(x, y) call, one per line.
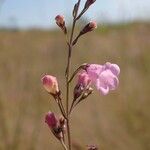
point(31, 45)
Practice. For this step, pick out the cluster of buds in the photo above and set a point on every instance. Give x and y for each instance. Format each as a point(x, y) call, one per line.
point(60, 21)
point(57, 126)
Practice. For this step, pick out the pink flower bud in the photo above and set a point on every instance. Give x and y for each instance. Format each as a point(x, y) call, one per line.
point(92, 25)
point(51, 120)
point(54, 125)
point(60, 21)
point(50, 84)
point(88, 3)
point(83, 79)
point(82, 84)
point(89, 27)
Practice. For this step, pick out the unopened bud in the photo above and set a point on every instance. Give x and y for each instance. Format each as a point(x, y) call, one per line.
point(83, 79)
point(60, 21)
point(89, 27)
point(51, 120)
point(82, 83)
point(53, 124)
point(78, 91)
point(50, 84)
point(88, 3)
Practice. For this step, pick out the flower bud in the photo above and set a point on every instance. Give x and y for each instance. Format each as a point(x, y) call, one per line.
point(51, 120)
point(53, 124)
point(83, 79)
point(89, 27)
point(50, 84)
point(77, 91)
point(60, 21)
point(88, 3)
point(82, 83)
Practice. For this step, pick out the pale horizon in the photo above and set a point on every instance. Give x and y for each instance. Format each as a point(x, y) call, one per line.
point(41, 14)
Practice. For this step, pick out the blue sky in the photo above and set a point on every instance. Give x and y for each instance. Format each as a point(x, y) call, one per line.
point(41, 13)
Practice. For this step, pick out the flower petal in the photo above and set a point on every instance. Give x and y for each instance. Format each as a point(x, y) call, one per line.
point(104, 90)
point(116, 83)
point(107, 78)
point(113, 67)
point(93, 71)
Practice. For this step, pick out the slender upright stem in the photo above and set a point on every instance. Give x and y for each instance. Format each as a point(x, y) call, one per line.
point(67, 76)
point(68, 85)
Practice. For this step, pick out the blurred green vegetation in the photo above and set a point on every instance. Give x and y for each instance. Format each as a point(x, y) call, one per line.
point(119, 121)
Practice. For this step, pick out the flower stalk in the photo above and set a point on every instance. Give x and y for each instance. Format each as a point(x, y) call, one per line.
point(70, 46)
point(104, 77)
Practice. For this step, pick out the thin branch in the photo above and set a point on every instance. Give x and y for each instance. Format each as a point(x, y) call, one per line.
point(64, 145)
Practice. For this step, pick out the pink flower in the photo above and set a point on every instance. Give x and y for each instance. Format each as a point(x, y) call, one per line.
point(104, 77)
point(51, 120)
point(50, 84)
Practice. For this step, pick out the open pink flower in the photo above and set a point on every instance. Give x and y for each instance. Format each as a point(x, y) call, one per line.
point(104, 77)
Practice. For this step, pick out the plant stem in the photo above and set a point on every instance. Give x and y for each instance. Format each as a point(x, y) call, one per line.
point(67, 75)
point(63, 144)
point(68, 86)
point(71, 106)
